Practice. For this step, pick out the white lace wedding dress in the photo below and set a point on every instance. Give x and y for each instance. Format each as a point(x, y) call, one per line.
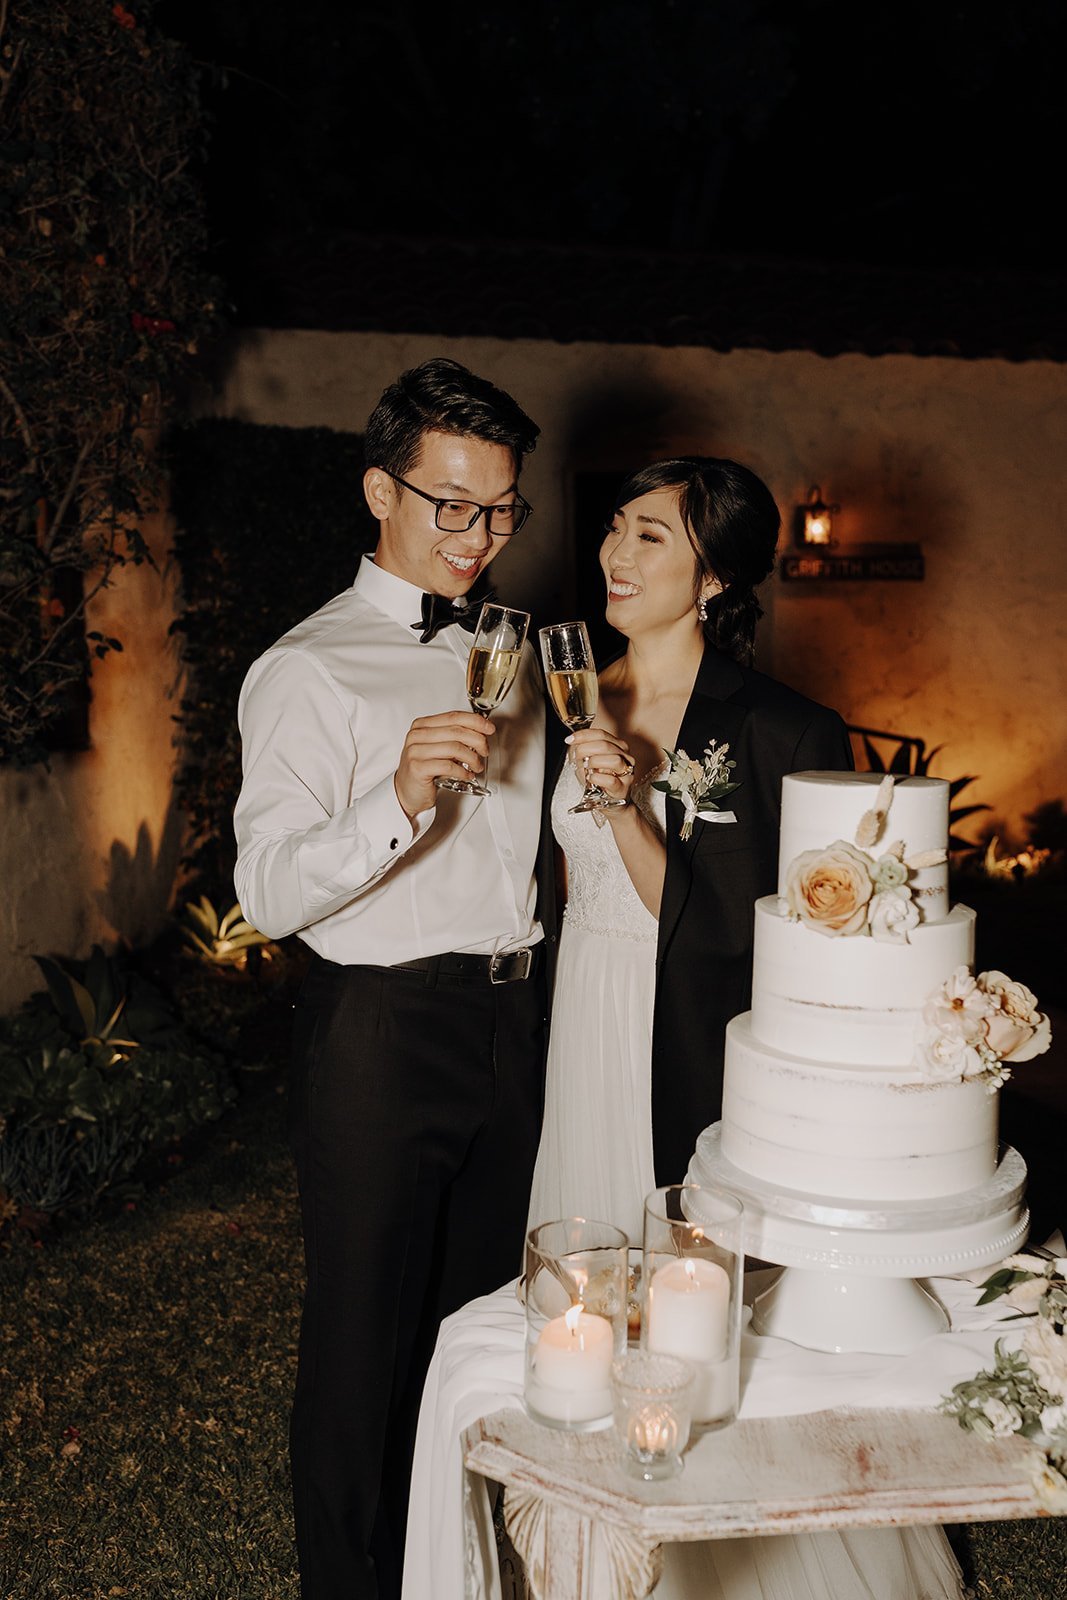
point(595, 1160)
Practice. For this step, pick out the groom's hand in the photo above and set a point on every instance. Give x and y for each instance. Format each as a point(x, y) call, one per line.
point(451, 745)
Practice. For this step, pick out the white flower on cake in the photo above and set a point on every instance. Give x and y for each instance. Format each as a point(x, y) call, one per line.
point(892, 915)
point(959, 1008)
point(845, 890)
point(698, 784)
point(975, 1027)
point(889, 871)
point(1026, 1391)
point(950, 1058)
point(829, 889)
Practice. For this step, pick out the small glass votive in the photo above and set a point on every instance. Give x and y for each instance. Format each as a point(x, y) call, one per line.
point(577, 1274)
point(653, 1398)
point(692, 1282)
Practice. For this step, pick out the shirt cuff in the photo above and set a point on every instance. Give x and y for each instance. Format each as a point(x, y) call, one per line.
point(385, 824)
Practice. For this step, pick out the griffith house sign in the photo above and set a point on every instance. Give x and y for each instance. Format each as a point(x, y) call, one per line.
point(856, 561)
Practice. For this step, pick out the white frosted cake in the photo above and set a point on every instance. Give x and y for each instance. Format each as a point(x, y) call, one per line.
point(867, 1066)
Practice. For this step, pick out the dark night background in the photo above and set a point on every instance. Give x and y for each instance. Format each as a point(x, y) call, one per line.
point(915, 135)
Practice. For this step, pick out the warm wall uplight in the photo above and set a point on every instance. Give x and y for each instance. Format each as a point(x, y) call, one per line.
point(1029, 861)
point(815, 519)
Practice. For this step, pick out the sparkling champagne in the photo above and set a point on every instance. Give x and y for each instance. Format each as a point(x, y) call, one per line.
point(490, 674)
point(574, 696)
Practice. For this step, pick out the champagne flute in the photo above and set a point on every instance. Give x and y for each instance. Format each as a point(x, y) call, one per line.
point(491, 670)
point(570, 672)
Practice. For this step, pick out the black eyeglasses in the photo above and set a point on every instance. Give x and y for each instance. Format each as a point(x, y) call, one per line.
point(457, 516)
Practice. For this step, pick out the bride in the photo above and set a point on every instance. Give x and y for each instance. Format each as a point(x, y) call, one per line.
point(655, 953)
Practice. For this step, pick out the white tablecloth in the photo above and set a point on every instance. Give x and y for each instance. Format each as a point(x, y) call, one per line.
point(478, 1368)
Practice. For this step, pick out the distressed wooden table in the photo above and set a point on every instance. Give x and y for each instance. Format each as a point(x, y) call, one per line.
point(587, 1530)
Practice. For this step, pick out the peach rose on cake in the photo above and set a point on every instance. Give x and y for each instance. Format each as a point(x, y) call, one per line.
point(829, 889)
point(1015, 1028)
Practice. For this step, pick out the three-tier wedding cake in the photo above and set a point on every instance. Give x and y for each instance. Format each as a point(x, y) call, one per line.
point(867, 1066)
point(859, 1123)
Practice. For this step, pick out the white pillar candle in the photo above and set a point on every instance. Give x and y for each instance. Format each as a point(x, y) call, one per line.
point(689, 1316)
point(571, 1374)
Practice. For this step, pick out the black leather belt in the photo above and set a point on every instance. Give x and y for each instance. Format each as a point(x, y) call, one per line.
point(457, 966)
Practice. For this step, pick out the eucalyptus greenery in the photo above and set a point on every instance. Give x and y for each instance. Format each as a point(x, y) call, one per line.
point(1025, 1391)
point(102, 303)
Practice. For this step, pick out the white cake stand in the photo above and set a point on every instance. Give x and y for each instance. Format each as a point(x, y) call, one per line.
point(850, 1269)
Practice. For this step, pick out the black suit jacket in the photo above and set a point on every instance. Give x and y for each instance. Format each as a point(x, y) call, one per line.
point(713, 879)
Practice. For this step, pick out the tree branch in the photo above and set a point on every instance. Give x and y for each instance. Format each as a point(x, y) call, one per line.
point(20, 417)
point(68, 494)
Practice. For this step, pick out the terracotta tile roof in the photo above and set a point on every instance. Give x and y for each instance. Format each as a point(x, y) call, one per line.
point(513, 290)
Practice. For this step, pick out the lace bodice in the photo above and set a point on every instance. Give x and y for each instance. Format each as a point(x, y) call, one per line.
point(600, 896)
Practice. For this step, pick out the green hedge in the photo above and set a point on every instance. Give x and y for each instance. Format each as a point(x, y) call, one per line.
point(270, 524)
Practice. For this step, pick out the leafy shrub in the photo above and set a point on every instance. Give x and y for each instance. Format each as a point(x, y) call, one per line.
point(94, 1072)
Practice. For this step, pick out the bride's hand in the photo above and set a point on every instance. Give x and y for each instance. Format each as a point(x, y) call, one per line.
point(606, 759)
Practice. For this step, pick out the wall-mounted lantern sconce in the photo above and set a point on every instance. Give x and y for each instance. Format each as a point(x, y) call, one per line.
point(814, 520)
point(817, 555)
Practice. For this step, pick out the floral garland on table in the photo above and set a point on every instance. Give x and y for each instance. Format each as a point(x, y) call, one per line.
point(1026, 1392)
point(847, 890)
point(698, 784)
point(975, 1026)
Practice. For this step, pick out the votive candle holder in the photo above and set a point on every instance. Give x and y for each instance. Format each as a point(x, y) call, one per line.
point(576, 1291)
point(692, 1284)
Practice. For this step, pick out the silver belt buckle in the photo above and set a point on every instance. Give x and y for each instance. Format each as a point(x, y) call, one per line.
point(499, 957)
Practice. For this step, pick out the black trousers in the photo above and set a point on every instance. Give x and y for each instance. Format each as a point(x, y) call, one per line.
point(414, 1120)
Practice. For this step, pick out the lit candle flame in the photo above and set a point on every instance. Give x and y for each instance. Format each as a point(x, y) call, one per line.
point(571, 1318)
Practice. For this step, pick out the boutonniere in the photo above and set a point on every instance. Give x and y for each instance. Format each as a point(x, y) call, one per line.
point(698, 784)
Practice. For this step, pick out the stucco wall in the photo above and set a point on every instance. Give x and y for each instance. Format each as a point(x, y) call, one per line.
point(89, 849)
point(964, 457)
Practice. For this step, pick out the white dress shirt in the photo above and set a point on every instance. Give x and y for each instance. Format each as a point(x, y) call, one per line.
point(324, 848)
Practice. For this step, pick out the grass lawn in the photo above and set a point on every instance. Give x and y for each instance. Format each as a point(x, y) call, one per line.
point(146, 1365)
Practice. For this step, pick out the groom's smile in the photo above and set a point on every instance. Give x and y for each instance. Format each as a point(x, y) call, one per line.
point(451, 471)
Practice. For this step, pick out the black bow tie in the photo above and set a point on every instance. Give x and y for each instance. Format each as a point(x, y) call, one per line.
point(439, 612)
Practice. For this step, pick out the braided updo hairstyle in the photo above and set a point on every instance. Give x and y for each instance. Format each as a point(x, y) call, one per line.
point(733, 524)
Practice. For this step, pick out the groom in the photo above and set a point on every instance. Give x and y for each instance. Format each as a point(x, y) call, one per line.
point(416, 1092)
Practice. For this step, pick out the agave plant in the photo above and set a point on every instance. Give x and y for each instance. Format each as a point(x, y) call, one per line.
point(220, 941)
point(91, 1005)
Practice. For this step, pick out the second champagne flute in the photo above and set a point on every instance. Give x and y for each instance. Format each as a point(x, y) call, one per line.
point(570, 672)
point(491, 668)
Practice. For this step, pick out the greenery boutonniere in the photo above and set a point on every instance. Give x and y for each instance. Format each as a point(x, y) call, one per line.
point(699, 784)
